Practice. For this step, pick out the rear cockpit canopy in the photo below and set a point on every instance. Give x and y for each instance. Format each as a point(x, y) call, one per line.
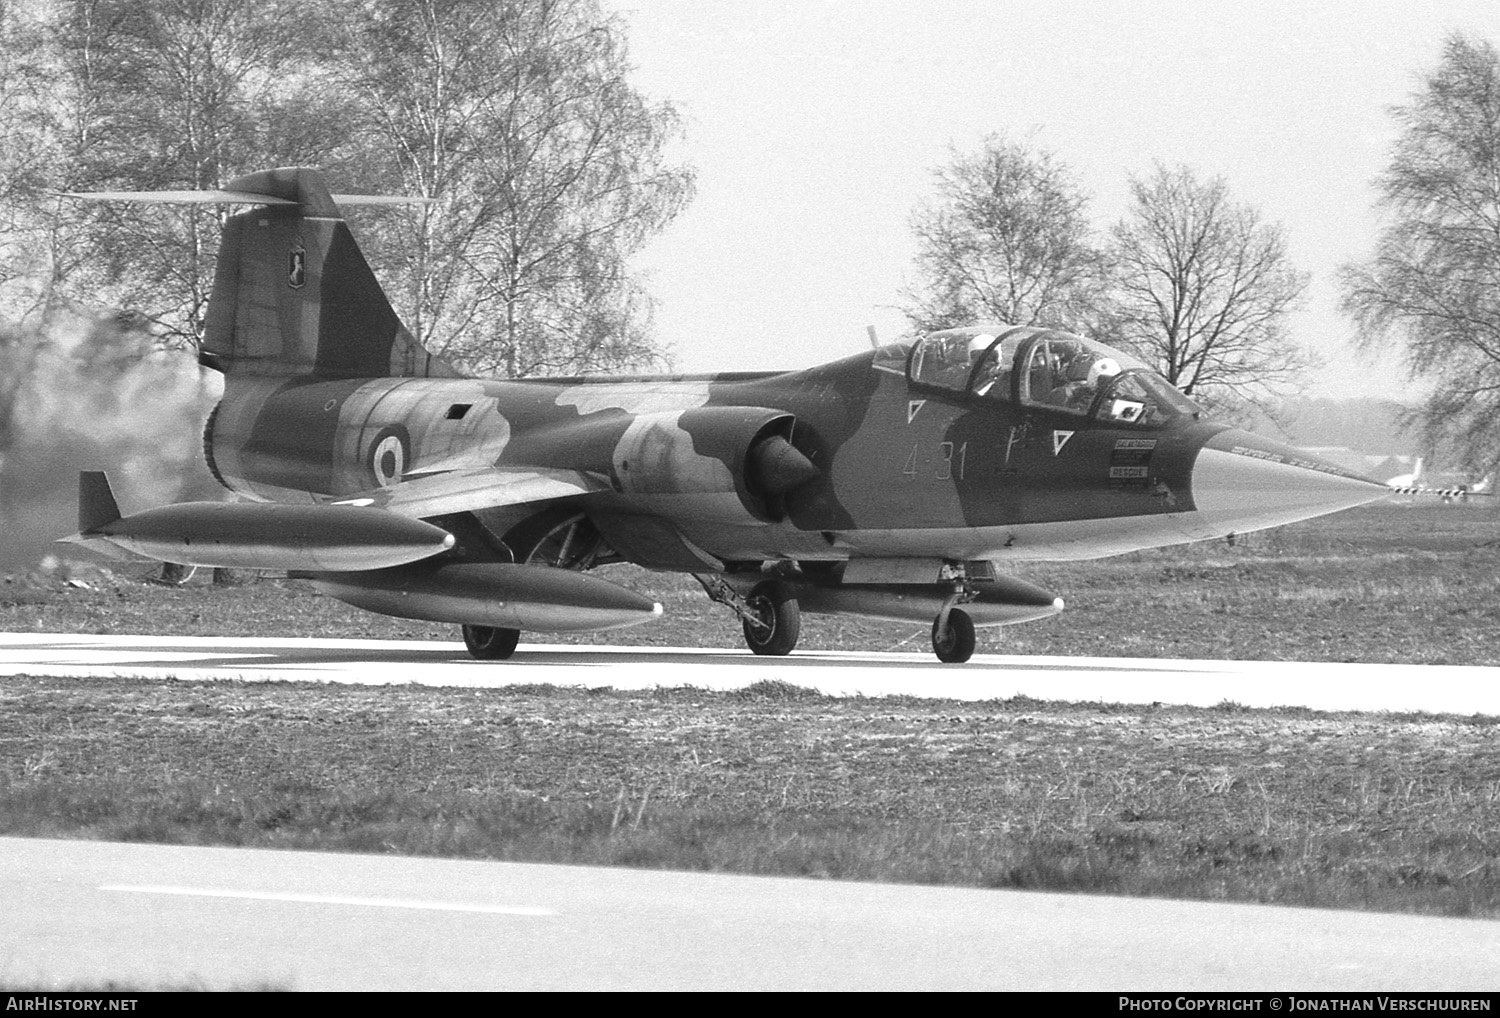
point(1037, 367)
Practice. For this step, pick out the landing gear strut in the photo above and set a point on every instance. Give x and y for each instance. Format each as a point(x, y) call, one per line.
point(769, 614)
point(777, 620)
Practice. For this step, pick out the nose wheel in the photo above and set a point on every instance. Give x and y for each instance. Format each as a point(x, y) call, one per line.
point(953, 637)
point(777, 620)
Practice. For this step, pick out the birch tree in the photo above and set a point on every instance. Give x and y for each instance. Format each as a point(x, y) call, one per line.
point(1006, 237)
point(1432, 287)
point(546, 171)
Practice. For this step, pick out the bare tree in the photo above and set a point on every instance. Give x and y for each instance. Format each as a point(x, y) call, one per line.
point(1006, 237)
point(34, 122)
point(32, 127)
point(132, 95)
point(1433, 285)
point(546, 170)
point(1202, 289)
point(179, 94)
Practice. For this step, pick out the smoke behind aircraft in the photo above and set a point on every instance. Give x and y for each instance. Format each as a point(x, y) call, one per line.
point(87, 394)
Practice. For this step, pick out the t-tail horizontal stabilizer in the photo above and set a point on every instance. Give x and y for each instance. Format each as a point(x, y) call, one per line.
point(239, 198)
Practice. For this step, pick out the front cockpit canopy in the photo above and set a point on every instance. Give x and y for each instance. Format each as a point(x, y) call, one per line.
point(1043, 368)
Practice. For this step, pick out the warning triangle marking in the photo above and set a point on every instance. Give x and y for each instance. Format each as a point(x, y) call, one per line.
point(912, 406)
point(1060, 439)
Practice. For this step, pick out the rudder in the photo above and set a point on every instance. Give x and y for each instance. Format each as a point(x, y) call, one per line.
point(293, 293)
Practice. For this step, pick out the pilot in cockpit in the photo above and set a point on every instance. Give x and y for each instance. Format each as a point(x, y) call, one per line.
point(1078, 380)
point(992, 378)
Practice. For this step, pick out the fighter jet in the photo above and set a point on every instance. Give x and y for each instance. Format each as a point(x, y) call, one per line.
point(905, 482)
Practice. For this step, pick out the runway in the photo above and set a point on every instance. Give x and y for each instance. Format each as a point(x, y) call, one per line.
point(82, 913)
point(1321, 686)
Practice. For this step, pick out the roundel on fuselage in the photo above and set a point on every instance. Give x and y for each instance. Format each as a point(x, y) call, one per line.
point(388, 456)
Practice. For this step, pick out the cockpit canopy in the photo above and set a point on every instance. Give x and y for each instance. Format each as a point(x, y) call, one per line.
point(1038, 367)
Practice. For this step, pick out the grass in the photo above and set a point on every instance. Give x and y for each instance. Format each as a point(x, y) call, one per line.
point(1292, 806)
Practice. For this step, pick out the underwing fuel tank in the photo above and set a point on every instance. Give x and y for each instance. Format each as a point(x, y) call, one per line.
point(244, 535)
point(997, 600)
point(507, 595)
point(1003, 602)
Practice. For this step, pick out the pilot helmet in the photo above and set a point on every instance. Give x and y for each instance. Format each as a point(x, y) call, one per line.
point(1104, 367)
point(979, 344)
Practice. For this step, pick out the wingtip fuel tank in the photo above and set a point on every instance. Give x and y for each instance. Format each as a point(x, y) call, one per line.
point(250, 535)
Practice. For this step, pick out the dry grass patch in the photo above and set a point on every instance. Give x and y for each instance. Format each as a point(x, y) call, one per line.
point(1228, 803)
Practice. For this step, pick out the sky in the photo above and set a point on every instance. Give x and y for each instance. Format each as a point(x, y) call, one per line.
point(815, 127)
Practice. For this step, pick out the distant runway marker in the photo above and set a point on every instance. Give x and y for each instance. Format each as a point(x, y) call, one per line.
point(332, 899)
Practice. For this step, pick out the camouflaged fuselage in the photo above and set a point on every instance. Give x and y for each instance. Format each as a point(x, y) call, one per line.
point(899, 472)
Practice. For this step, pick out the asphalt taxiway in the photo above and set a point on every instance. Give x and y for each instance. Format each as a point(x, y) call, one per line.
point(80, 914)
point(1319, 685)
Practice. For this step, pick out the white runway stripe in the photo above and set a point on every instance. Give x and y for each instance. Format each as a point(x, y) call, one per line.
point(331, 899)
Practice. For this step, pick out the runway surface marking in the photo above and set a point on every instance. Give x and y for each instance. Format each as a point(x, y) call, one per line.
point(625, 929)
point(1333, 686)
point(331, 899)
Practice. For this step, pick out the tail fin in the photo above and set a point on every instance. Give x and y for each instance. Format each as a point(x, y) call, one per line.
point(96, 501)
point(293, 294)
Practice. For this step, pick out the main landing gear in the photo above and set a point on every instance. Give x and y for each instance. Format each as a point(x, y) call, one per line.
point(773, 621)
point(560, 541)
point(491, 643)
point(769, 615)
point(953, 642)
point(771, 618)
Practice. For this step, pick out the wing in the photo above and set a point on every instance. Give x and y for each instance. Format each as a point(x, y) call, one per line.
point(486, 488)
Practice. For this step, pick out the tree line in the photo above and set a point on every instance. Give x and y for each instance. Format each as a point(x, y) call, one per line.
point(1196, 284)
point(544, 169)
point(1200, 286)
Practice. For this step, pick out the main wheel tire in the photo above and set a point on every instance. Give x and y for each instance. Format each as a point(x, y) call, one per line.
point(956, 645)
point(491, 643)
point(557, 540)
point(774, 605)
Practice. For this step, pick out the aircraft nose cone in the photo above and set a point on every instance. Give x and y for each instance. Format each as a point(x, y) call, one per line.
point(1242, 482)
